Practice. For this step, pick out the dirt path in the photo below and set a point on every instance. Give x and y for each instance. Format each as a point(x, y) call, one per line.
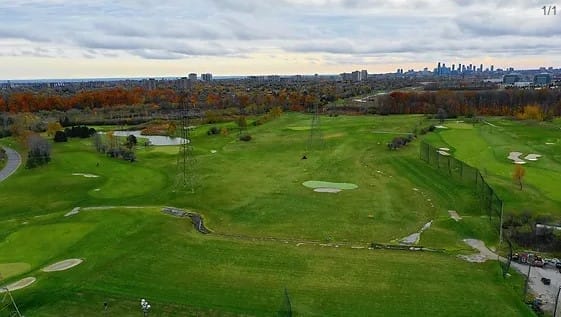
point(14, 161)
point(546, 292)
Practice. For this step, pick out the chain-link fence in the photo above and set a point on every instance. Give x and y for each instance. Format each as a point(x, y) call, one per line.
point(490, 202)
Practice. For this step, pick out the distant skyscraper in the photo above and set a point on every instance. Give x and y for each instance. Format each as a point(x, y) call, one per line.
point(481, 68)
point(492, 68)
point(453, 67)
point(206, 77)
point(438, 70)
point(192, 76)
point(363, 74)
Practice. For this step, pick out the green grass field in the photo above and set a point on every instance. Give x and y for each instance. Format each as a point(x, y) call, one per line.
point(488, 148)
point(249, 193)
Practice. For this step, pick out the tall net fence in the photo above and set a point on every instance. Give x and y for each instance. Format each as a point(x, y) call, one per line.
point(490, 202)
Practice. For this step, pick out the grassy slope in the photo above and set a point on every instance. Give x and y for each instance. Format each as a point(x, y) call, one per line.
point(488, 148)
point(253, 189)
point(182, 271)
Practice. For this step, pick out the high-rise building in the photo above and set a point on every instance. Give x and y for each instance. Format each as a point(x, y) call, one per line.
point(453, 67)
point(438, 70)
point(363, 74)
point(150, 83)
point(192, 76)
point(492, 68)
point(206, 77)
point(481, 68)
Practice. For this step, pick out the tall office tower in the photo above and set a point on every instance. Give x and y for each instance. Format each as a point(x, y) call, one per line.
point(492, 68)
point(481, 68)
point(438, 71)
point(453, 67)
point(459, 67)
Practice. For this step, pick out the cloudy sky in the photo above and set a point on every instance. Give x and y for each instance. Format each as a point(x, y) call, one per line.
point(108, 38)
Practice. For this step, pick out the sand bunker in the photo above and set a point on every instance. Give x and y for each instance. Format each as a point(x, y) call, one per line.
point(549, 143)
point(440, 127)
point(85, 175)
point(327, 190)
point(18, 285)
point(454, 215)
point(62, 265)
point(73, 212)
point(444, 149)
point(322, 184)
point(212, 151)
point(443, 153)
point(515, 158)
point(532, 157)
point(415, 237)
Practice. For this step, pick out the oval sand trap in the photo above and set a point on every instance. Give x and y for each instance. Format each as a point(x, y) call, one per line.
point(62, 265)
point(327, 190)
point(19, 284)
point(322, 184)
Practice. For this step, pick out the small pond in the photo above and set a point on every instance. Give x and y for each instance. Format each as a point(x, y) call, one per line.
point(154, 139)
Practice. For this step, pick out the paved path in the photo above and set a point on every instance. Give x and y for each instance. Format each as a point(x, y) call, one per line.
point(546, 292)
point(14, 161)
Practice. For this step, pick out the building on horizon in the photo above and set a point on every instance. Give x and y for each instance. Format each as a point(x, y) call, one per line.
point(512, 78)
point(192, 77)
point(150, 84)
point(363, 74)
point(543, 79)
point(206, 77)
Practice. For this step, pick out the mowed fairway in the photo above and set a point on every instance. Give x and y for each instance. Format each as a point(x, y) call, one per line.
point(487, 146)
point(249, 192)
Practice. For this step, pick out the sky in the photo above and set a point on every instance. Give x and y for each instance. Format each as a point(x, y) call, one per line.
point(142, 38)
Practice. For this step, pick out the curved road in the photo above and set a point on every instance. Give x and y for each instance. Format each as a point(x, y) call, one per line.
point(14, 161)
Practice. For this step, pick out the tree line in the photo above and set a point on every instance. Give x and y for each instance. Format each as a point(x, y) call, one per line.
point(508, 102)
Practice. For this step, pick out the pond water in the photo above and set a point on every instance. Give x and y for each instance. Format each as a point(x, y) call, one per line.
point(154, 139)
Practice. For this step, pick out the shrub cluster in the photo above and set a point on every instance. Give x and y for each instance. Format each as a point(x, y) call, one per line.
point(399, 142)
point(60, 136)
point(213, 130)
point(245, 137)
point(79, 132)
point(5, 133)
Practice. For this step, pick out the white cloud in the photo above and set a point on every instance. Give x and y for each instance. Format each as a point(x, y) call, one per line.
point(370, 31)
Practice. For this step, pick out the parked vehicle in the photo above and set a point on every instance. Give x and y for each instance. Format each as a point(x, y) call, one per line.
point(528, 258)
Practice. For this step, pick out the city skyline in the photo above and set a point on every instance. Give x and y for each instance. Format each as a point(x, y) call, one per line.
point(98, 39)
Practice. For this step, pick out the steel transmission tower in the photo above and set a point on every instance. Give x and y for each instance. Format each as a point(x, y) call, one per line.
point(9, 304)
point(186, 158)
point(315, 141)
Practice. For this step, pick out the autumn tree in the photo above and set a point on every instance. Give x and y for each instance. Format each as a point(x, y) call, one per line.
point(172, 129)
point(518, 174)
point(39, 151)
point(53, 127)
